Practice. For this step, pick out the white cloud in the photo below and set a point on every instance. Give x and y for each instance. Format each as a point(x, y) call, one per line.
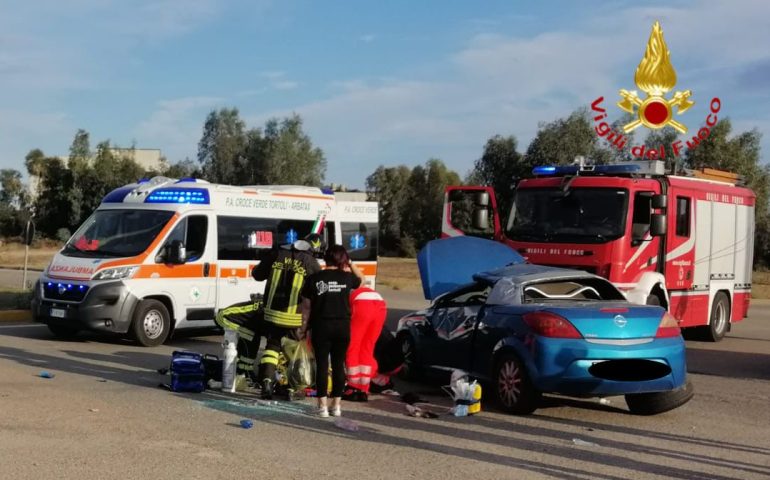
point(285, 85)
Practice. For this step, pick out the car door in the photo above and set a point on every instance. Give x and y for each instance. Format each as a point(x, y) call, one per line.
point(452, 325)
point(193, 283)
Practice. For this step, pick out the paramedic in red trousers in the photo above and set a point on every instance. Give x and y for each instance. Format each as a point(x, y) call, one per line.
point(367, 317)
point(285, 271)
point(326, 313)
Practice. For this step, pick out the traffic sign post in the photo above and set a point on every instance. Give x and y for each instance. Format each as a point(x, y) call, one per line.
point(29, 235)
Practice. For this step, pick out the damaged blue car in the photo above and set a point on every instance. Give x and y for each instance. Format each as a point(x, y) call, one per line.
point(527, 330)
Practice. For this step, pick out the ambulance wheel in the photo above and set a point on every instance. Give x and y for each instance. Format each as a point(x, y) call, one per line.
point(151, 324)
point(513, 387)
point(410, 370)
point(61, 331)
point(719, 322)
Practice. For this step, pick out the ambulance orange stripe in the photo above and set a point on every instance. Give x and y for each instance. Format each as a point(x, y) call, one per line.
point(369, 269)
point(143, 256)
point(174, 271)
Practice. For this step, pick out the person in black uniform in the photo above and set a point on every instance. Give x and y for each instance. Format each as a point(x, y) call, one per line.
point(285, 271)
point(326, 313)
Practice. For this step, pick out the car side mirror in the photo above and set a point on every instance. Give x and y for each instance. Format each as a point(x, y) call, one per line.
point(482, 199)
point(176, 253)
point(659, 201)
point(481, 218)
point(658, 225)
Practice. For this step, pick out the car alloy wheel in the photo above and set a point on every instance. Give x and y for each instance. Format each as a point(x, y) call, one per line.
point(515, 390)
point(509, 383)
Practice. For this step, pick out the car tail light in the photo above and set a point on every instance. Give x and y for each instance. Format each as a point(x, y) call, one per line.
point(549, 324)
point(668, 327)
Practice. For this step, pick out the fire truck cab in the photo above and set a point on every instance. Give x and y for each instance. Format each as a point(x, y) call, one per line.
point(683, 242)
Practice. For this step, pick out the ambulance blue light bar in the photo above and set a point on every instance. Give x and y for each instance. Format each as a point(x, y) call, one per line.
point(199, 196)
point(615, 169)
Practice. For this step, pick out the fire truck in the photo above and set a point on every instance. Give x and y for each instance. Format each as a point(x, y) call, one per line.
point(684, 242)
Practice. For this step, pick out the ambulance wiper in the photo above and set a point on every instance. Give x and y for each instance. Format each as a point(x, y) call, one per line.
point(109, 253)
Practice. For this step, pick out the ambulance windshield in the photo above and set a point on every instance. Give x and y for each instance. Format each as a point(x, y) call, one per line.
point(574, 215)
point(116, 233)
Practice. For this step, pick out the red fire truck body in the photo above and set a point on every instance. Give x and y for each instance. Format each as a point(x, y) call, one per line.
point(681, 242)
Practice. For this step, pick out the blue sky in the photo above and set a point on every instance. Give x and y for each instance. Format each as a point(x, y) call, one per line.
point(377, 83)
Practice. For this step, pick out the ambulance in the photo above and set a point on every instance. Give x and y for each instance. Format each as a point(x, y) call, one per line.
point(162, 254)
point(684, 242)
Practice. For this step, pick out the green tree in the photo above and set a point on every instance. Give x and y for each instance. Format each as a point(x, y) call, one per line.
point(665, 137)
point(35, 162)
point(386, 187)
point(740, 154)
point(501, 166)
point(53, 205)
point(183, 169)
point(13, 202)
point(80, 150)
point(560, 141)
point(284, 154)
point(422, 208)
point(221, 149)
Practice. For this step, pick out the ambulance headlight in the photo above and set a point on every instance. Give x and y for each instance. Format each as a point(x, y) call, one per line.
point(115, 273)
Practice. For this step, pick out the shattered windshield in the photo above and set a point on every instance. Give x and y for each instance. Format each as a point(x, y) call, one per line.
point(117, 233)
point(576, 215)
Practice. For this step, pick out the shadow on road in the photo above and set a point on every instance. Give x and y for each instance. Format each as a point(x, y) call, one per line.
point(728, 364)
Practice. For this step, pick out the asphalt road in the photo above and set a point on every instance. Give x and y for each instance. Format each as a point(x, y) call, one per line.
point(104, 415)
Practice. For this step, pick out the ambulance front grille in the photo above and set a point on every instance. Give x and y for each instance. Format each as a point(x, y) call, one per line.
point(66, 292)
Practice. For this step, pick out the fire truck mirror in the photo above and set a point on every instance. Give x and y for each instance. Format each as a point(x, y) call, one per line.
point(481, 218)
point(659, 201)
point(482, 199)
point(658, 225)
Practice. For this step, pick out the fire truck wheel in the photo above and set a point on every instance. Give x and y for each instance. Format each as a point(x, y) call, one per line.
point(720, 318)
point(653, 300)
point(151, 324)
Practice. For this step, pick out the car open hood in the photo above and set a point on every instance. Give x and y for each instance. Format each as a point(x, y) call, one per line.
point(451, 262)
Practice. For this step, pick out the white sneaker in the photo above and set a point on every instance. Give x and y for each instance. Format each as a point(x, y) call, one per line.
point(336, 412)
point(322, 412)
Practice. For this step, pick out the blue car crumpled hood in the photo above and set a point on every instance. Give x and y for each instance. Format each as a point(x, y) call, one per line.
point(449, 263)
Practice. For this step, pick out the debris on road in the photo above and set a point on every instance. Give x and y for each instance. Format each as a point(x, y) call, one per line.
point(346, 424)
point(45, 374)
point(583, 443)
point(246, 423)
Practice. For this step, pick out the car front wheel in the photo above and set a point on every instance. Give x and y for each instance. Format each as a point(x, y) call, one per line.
point(514, 389)
point(151, 324)
point(410, 370)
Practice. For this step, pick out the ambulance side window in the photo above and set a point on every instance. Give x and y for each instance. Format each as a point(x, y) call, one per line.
point(192, 231)
point(682, 217)
point(232, 234)
point(360, 239)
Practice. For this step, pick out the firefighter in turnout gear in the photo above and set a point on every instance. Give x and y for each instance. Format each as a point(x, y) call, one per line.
point(284, 271)
point(244, 318)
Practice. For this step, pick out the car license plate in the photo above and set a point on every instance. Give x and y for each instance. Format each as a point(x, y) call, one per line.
point(58, 313)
